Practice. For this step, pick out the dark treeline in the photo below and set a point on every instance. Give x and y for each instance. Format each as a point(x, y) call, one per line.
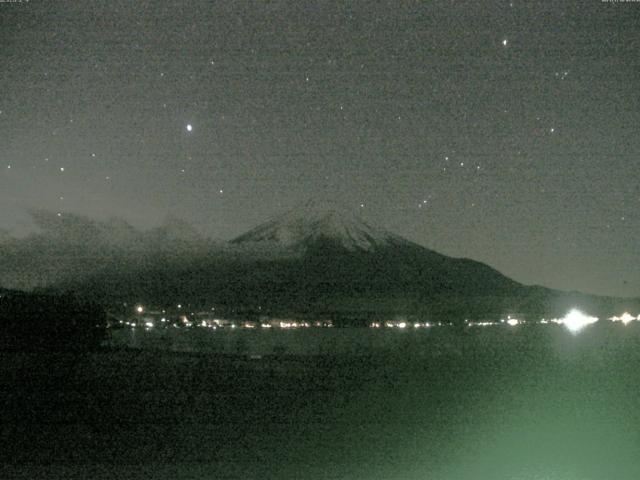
point(41, 322)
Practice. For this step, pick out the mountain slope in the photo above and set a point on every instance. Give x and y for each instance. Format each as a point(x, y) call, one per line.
point(314, 260)
point(324, 260)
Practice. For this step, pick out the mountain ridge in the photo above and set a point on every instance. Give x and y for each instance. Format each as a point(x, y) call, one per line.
point(311, 260)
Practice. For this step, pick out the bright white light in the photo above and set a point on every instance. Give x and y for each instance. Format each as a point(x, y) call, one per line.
point(575, 320)
point(139, 309)
point(625, 318)
point(512, 322)
point(504, 42)
point(402, 325)
point(189, 127)
point(149, 324)
point(480, 324)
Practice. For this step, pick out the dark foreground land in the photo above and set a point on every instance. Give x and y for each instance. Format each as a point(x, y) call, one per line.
point(525, 403)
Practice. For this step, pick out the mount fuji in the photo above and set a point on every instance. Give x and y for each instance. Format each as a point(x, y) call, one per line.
point(319, 259)
point(318, 221)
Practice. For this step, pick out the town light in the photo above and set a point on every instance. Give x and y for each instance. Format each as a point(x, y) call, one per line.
point(625, 318)
point(575, 320)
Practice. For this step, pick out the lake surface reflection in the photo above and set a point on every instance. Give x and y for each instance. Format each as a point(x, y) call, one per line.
point(529, 402)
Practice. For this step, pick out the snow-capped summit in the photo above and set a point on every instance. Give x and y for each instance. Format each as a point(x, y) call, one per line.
point(322, 220)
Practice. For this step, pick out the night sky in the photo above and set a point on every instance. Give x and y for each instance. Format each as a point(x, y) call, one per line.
point(507, 132)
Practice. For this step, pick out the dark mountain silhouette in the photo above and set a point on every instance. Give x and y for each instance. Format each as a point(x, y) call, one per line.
point(318, 259)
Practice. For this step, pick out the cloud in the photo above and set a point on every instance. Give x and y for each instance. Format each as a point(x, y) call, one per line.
point(70, 247)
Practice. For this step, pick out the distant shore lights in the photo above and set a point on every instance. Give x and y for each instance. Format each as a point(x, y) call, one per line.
point(512, 322)
point(575, 320)
point(625, 318)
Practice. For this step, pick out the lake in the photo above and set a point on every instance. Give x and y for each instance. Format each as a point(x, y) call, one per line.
point(525, 402)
